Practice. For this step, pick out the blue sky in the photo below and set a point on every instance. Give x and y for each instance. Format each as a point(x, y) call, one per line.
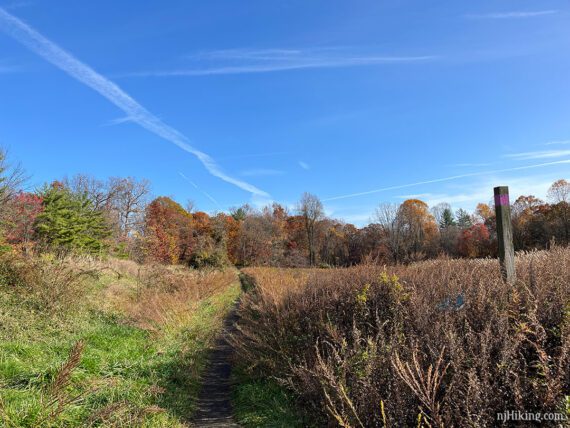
point(226, 102)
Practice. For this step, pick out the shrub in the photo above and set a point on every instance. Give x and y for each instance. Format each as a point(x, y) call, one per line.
point(445, 341)
point(45, 282)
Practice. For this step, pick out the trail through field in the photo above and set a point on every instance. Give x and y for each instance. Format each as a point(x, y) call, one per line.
point(214, 400)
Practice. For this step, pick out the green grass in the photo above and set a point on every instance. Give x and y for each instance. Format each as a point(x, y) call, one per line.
point(127, 376)
point(264, 403)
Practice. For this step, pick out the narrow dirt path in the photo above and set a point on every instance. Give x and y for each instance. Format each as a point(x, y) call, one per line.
point(214, 400)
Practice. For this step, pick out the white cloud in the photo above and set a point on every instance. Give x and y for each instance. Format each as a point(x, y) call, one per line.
point(533, 185)
point(481, 190)
point(304, 165)
point(260, 172)
point(455, 199)
point(541, 154)
point(118, 121)
point(512, 15)
point(57, 56)
point(260, 201)
point(253, 155)
point(557, 143)
point(465, 196)
point(244, 61)
point(444, 179)
point(468, 164)
point(358, 219)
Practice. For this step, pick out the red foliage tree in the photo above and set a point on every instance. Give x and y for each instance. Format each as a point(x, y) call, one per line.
point(475, 241)
point(21, 217)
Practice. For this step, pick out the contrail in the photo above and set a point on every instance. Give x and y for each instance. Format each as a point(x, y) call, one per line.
point(210, 197)
point(269, 68)
point(439, 180)
point(52, 53)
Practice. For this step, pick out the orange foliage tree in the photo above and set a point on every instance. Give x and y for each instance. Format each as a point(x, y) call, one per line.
point(168, 229)
point(417, 227)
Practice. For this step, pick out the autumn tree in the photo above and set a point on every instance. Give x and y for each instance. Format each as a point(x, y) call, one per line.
point(311, 209)
point(99, 192)
point(128, 203)
point(559, 192)
point(296, 247)
point(484, 213)
point(263, 236)
point(559, 195)
point(256, 239)
point(232, 228)
point(353, 242)
point(209, 242)
point(168, 230)
point(334, 250)
point(418, 227)
point(11, 179)
point(220, 238)
point(368, 244)
point(475, 241)
point(277, 215)
point(20, 220)
point(76, 214)
point(386, 215)
point(524, 214)
point(448, 229)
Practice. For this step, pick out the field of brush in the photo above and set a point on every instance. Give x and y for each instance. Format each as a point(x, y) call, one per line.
point(105, 343)
point(437, 343)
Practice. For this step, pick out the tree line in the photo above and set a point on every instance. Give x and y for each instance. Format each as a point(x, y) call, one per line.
point(118, 216)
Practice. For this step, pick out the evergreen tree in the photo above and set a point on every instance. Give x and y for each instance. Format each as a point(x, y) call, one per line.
point(464, 220)
point(69, 221)
point(447, 219)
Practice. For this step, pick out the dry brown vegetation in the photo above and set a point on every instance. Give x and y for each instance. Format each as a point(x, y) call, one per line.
point(48, 283)
point(149, 295)
point(437, 343)
point(162, 296)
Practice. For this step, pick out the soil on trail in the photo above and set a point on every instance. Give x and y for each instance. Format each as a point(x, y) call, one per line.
point(214, 408)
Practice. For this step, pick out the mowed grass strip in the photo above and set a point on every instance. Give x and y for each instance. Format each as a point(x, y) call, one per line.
point(264, 403)
point(127, 373)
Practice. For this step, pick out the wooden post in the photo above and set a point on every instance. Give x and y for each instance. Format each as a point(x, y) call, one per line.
point(505, 233)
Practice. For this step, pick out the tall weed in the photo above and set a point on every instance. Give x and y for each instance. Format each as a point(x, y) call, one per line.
point(445, 342)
